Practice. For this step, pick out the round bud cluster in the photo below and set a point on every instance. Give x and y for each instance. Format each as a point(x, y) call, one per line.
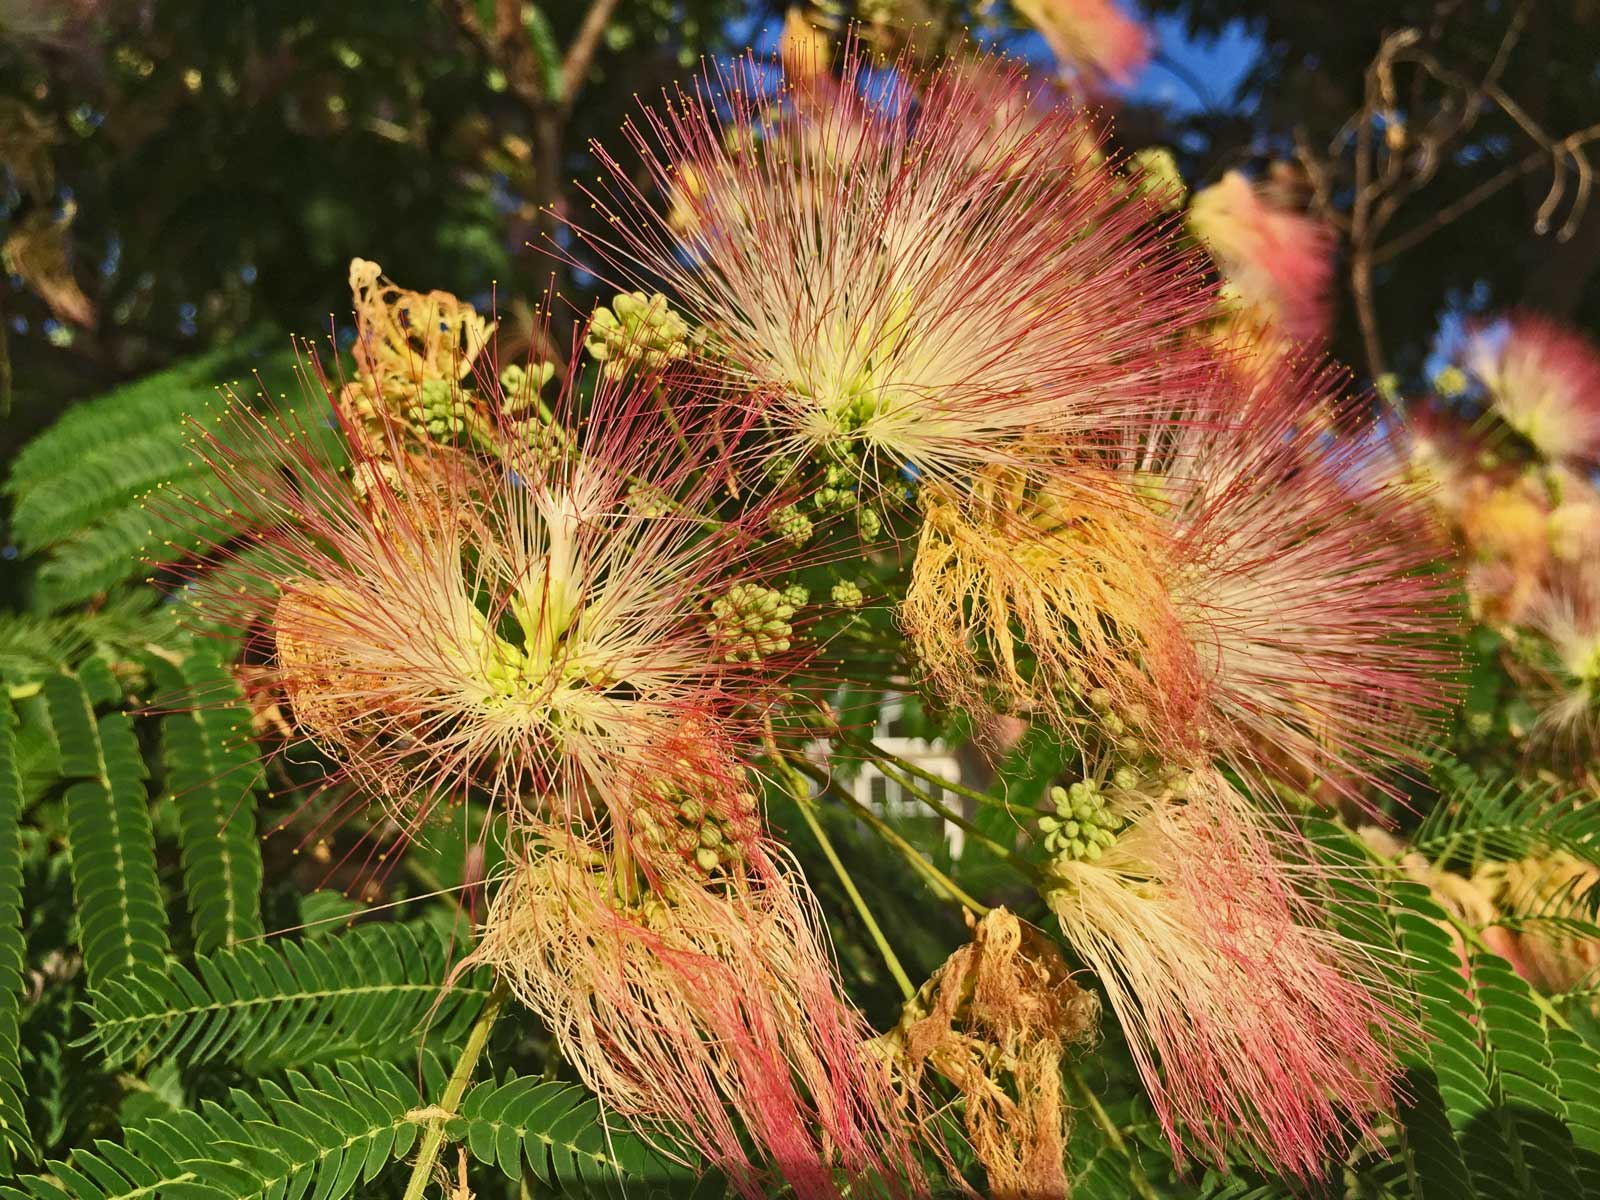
point(847, 594)
point(1083, 827)
point(797, 595)
point(751, 622)
point(549, 444)
point(676, 823)
point(1156, 176)
point(520, 386)
point(836, 494)
point(792, 525)
point(868, 523)
point(436, 408)
point(637, 330)
point(649, 502)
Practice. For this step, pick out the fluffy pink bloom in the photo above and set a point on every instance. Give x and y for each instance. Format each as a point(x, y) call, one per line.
point(1278, 263)
point(1093, 39)
point(1304, 568)
point(1543, 379)
point(1249, 1021)
point(902, 281)
point(1565, 676)
point(535, 618)
point(709, 1010)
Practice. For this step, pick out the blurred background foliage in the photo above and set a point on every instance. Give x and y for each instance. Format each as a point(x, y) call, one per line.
point(180, 171)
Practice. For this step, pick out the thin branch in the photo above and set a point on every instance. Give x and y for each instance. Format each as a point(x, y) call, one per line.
point(1402, 242)
point(800, 792)
point(435, 1119)
point(575, 67)
point(935, 877)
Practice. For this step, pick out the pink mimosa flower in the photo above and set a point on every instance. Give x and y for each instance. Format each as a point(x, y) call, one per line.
point(1249, 1021)
point(1093, 39)
point(1304, 567)
point(1278, 263)
point(535, 618)
point(1543, 379)
point(708, 1010)
point(901, 282)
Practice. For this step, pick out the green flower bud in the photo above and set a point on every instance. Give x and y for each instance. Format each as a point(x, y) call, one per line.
point(846, 594)
point(834, 499)
point(520, 386)
point(792, 525)
point(436, 408)
point(751, 622)
point(1158, 177)
point(636, 331)
point(1450, 382)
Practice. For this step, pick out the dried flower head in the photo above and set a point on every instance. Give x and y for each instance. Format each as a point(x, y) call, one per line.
point(1278, 263)
point(996, 1020)
point(405, 337)
point(1249, 1022)
point(894, 281)
point(709, 1008)
point(1543, 380)
point(506, 619)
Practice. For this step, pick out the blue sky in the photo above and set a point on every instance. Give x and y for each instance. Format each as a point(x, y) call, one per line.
point(1215, 65)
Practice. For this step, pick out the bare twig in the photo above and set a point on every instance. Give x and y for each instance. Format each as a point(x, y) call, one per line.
point(1459, 207)
point(1419, 135)
point(575, 67)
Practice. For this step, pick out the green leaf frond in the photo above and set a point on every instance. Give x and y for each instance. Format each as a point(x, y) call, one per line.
point(374, 990)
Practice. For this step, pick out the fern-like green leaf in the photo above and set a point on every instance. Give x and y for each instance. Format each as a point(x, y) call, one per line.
point(1527, 1089)
point(329, 1131)
point(1577, 1066)
point(370, 991)
point(1453, 1053)
point(122, 924)
point(557, 1131)
point(1478, 819)
point(32, 647)
point(14, 1142)
point(212, 772)
point(79, 489)
point(321, 1137)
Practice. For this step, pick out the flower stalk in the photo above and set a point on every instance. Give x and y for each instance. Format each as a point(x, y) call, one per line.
point(438, 1116)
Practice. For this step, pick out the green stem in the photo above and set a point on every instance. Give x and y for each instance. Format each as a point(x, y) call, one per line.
point(801, 794)
point(1136, 1175)
point(879, 755)
point(433, 1135)
point(937, 878)
point(955, 818)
